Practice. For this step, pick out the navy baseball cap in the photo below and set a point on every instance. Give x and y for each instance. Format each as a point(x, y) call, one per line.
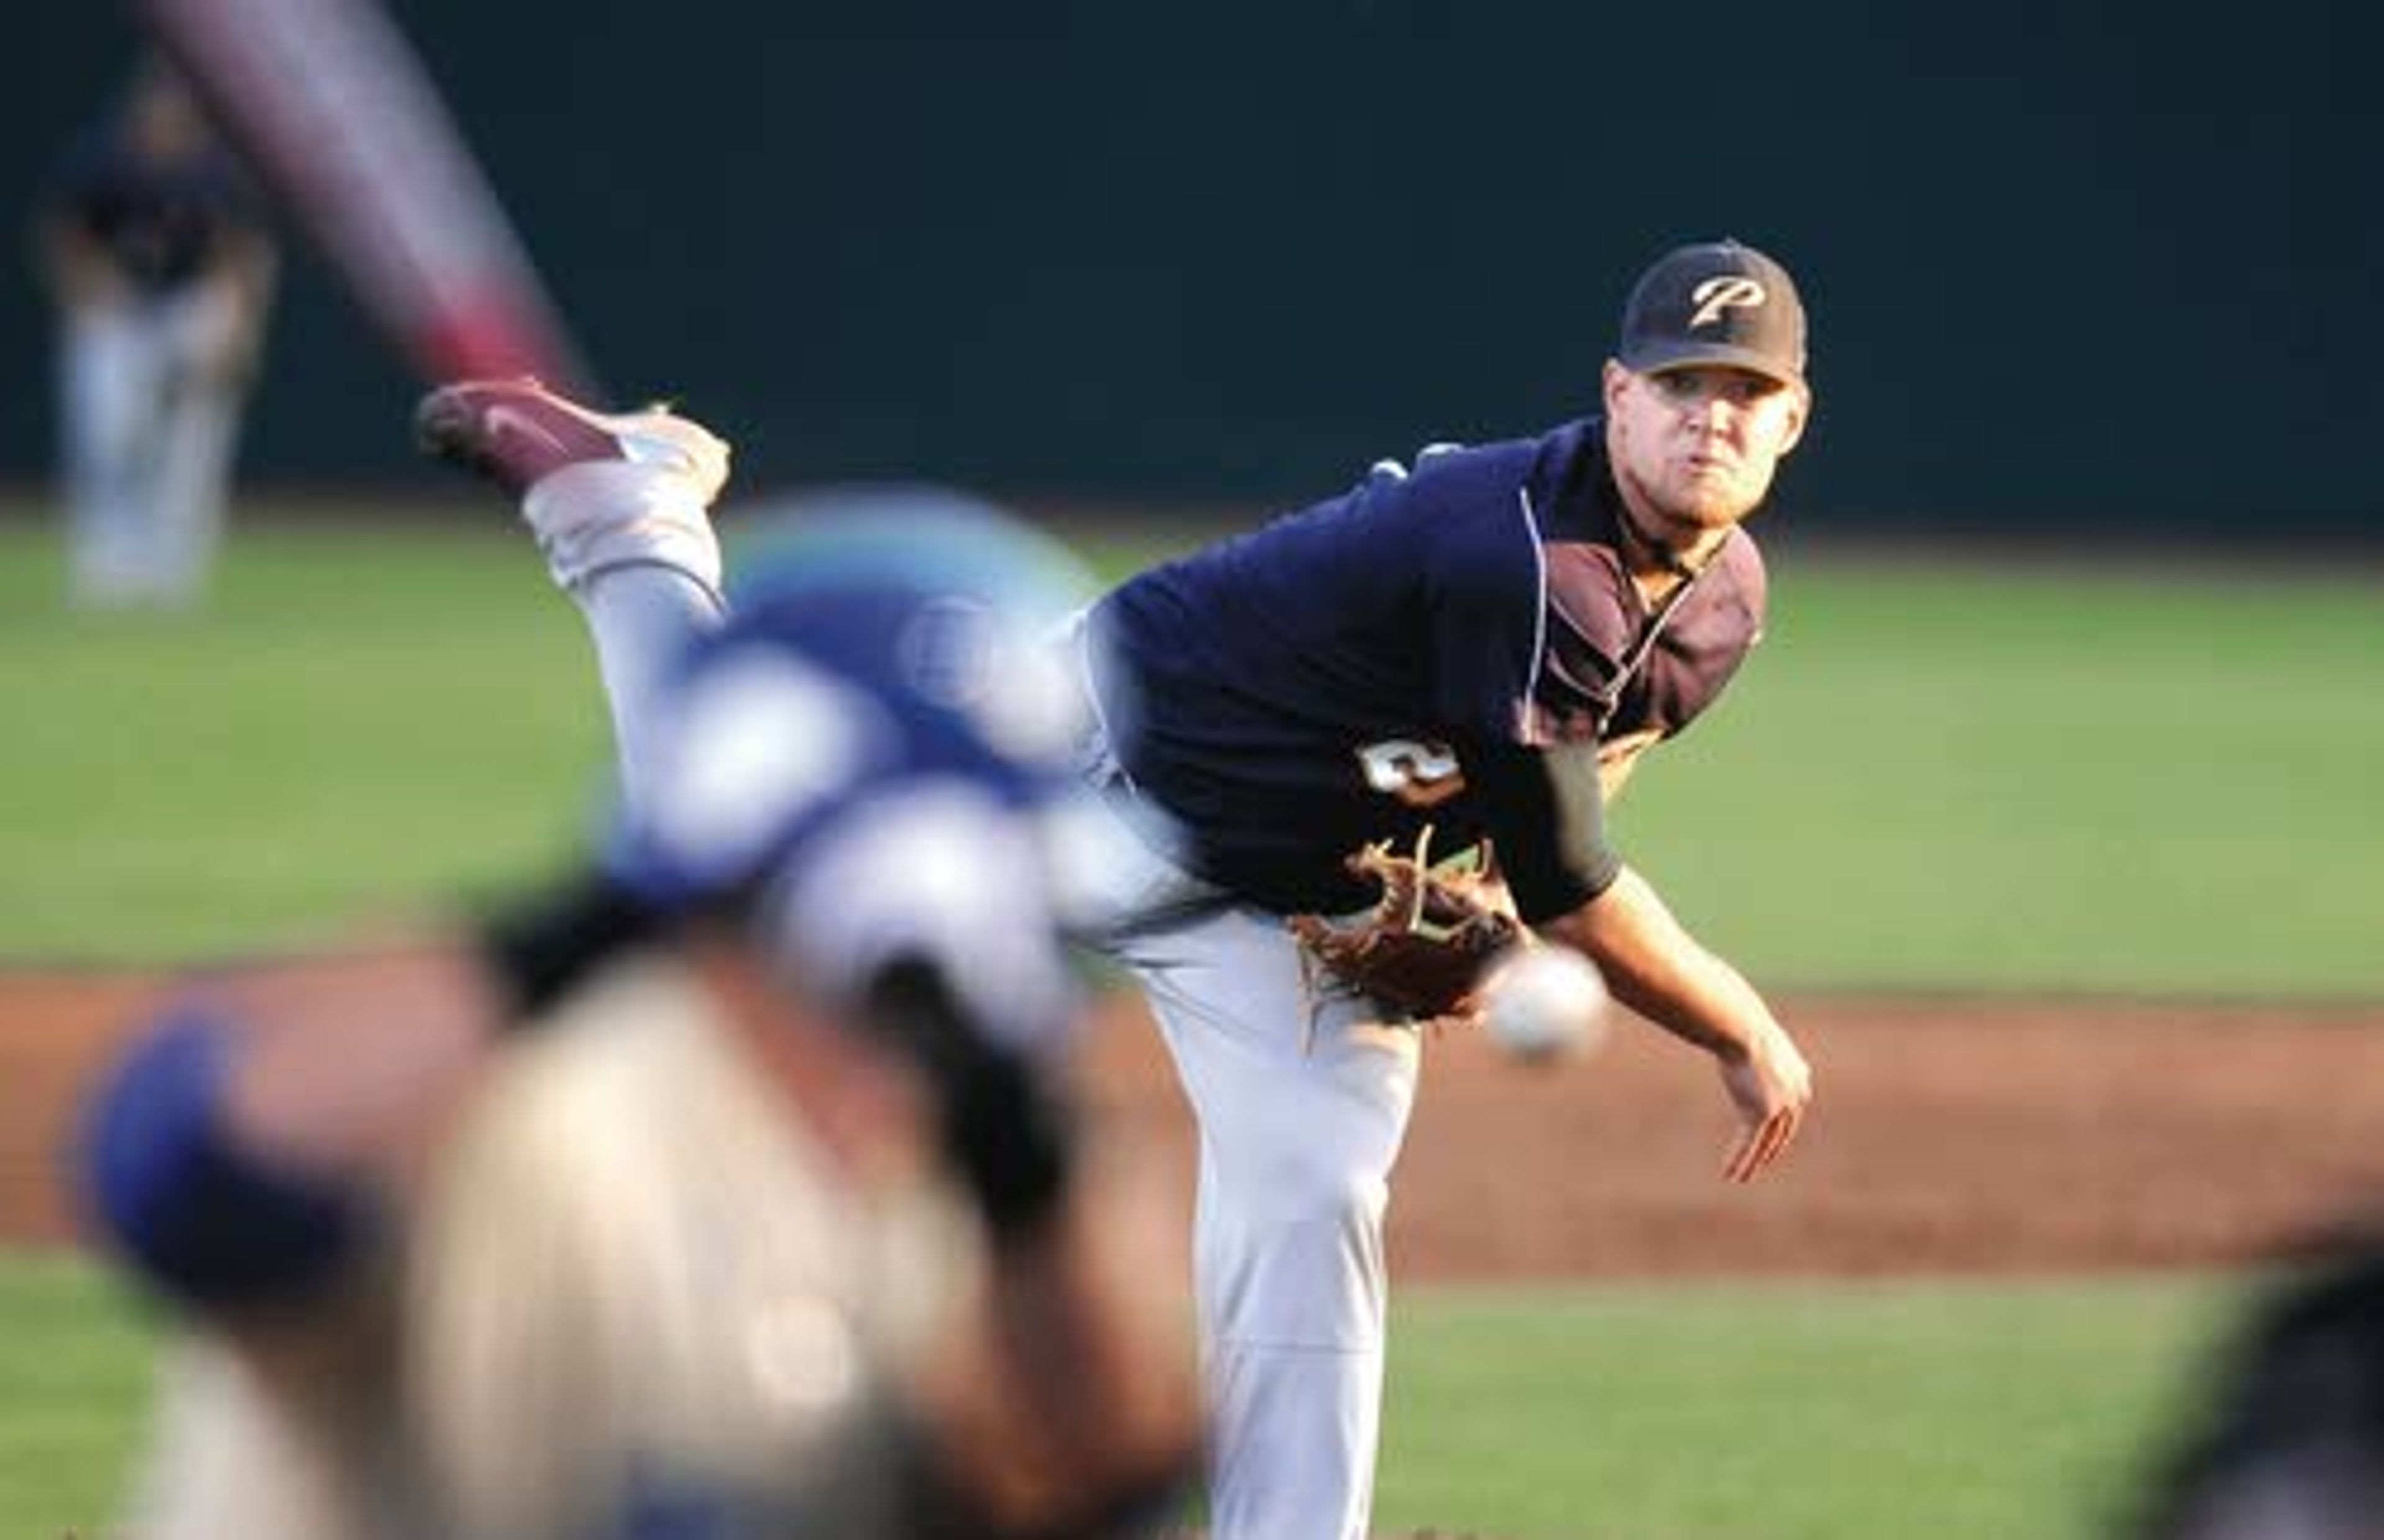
point(1716, 303)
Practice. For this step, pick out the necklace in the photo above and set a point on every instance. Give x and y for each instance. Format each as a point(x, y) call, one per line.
point(1653, 548)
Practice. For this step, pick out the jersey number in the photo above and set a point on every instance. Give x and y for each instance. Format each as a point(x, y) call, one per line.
point(1420, 774)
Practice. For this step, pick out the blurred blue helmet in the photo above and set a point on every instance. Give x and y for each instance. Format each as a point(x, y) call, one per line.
point(871, 757)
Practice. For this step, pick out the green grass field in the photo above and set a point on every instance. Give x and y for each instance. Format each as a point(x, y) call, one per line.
point(1960, 1411)
point(75, 1351)
point(1947, 778)
point(2015, 779)
point(360, 725)
point(1957, 777)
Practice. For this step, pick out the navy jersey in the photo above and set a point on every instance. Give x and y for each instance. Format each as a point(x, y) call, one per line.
point(1419, 650)
point(163, 223)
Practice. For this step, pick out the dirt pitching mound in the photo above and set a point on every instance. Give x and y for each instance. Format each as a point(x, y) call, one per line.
point(1947, 1137)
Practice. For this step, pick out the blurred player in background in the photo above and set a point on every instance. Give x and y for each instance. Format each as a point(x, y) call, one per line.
point(729, 1189)
point(162, 271)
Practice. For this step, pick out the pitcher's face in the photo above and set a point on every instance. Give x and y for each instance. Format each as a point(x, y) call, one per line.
point(1694, 447)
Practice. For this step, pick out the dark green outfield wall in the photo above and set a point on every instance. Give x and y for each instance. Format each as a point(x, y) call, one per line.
point(2061, 257)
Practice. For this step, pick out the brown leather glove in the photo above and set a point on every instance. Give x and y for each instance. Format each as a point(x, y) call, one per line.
point(1421, 951)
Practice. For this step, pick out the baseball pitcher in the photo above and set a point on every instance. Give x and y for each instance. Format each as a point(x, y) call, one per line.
point(1473, 649)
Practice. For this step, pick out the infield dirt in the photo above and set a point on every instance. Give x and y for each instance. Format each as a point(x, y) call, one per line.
point(1948, 1136)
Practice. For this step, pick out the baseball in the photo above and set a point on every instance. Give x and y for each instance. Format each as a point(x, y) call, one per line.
point(1545, 1003)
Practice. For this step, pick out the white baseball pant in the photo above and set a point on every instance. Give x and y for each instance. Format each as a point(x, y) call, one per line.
point(148, 414)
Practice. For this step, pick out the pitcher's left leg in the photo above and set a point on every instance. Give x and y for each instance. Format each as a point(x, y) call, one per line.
point(1302, 1108)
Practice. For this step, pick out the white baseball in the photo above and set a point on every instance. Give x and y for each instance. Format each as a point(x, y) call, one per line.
point(1545, 1002)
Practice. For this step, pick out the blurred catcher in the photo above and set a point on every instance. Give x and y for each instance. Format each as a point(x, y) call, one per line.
point(727, 1190)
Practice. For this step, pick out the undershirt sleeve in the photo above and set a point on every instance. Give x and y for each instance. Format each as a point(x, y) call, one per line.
point(1547, 816)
